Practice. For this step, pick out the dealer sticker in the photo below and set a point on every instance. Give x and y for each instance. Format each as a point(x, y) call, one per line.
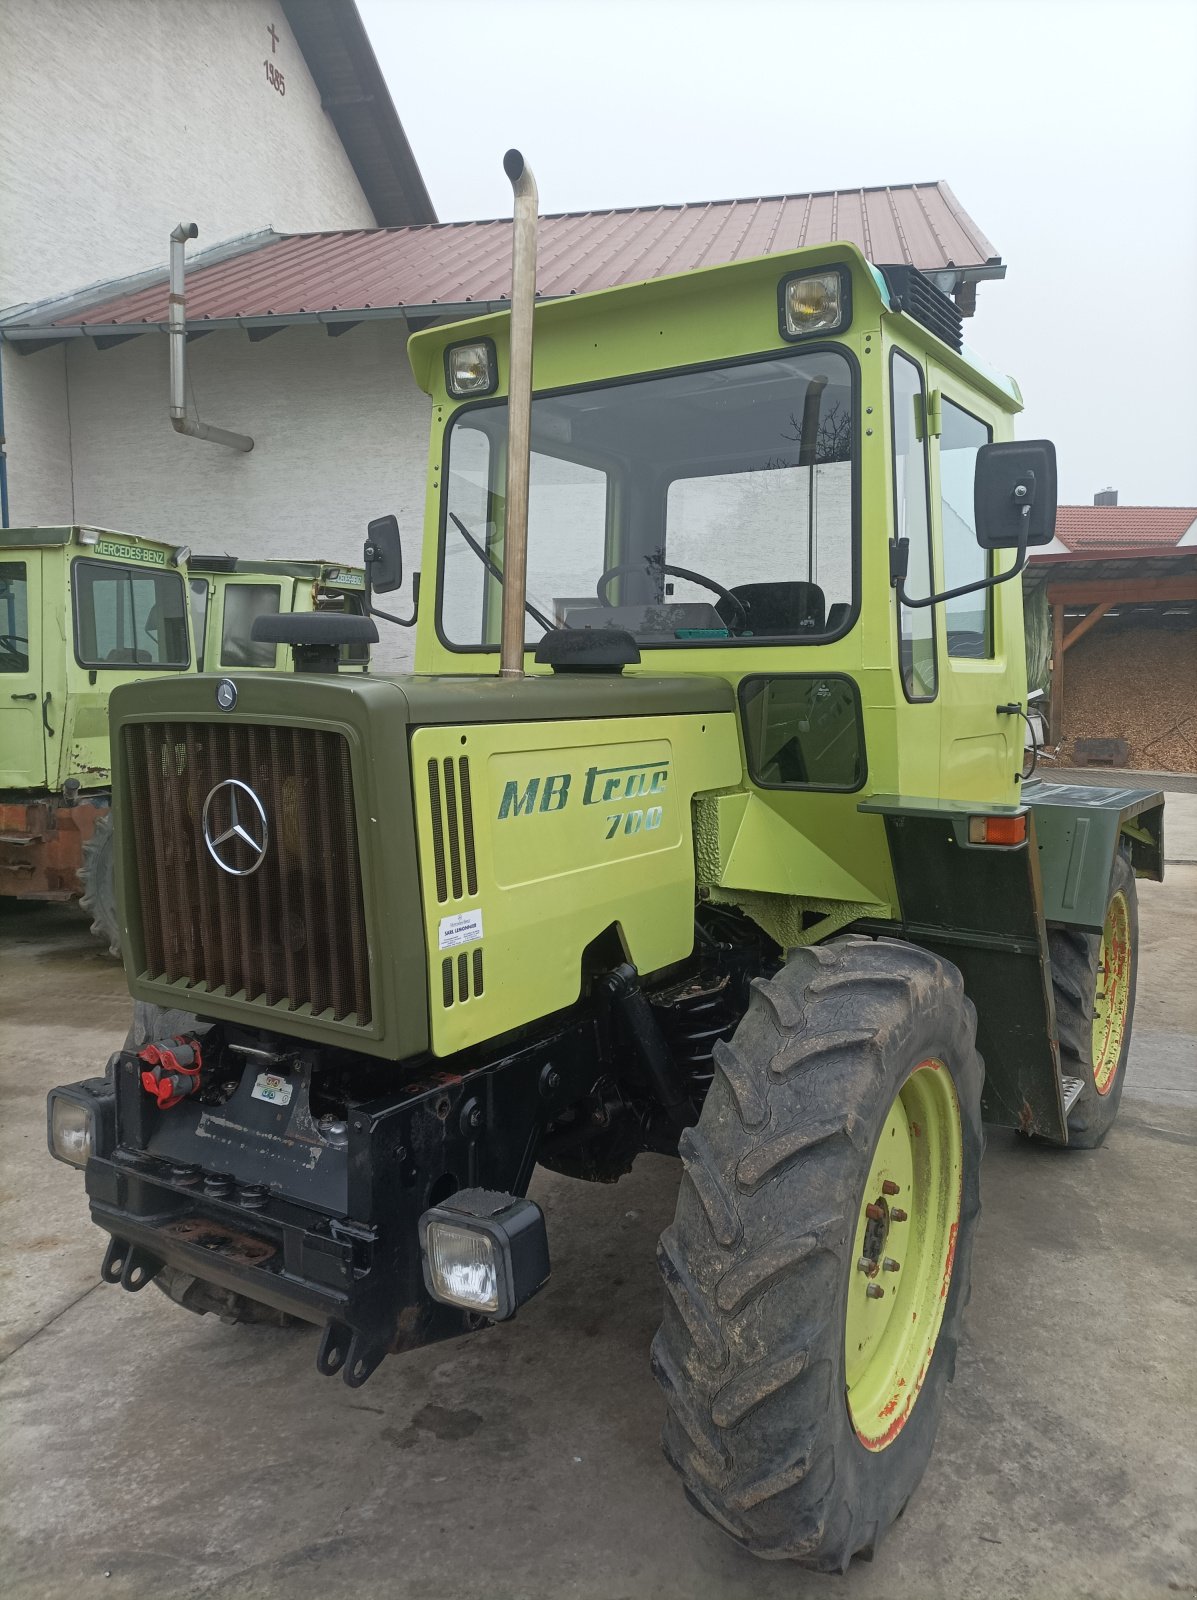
point(461, 928)
point(269, 1086)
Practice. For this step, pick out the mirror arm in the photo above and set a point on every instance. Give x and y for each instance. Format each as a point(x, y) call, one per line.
point(400, 622)
point(899, 557)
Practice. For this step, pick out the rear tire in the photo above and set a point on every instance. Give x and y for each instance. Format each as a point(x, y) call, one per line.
point(1094, 1044)
point(99, 886)
point(761, 1262)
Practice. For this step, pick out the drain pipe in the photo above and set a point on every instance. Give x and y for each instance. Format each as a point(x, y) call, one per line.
point(519, 413)
point(179, 420)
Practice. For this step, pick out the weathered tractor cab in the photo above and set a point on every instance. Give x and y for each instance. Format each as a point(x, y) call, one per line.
point(228, 592)
point(81, 610)
point(700, 828)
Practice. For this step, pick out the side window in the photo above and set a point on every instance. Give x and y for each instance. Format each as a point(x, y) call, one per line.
point(128, 617)
point(14, 617)
point(198, 589)
point(969, 616)
point(242, 603)
point(916, 627)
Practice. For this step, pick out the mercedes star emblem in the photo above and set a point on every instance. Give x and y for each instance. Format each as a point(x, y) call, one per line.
point(247, 834)
point(226, 694)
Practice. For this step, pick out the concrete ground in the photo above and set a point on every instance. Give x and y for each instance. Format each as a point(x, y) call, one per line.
point(145, 1452)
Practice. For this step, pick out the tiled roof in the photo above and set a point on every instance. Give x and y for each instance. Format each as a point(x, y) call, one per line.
point(457, 268)
point(1100, 527)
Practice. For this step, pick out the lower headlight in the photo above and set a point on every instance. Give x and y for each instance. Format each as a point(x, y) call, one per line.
point(484, 1251)
point(76, 1119)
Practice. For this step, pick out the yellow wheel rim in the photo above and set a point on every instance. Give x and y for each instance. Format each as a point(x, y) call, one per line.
point(901, 1266)
point(1113, 993)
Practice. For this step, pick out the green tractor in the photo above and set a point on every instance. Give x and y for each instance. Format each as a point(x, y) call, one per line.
point(82, 610)
point(700, 829)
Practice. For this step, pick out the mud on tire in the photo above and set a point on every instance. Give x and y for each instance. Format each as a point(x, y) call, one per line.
point(99, 888)
point(758, 1261)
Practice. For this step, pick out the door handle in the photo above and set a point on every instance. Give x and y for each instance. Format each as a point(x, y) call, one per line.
point(46, 715)
point(32, 695)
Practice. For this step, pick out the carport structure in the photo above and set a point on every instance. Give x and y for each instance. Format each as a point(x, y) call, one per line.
point(1129, 572)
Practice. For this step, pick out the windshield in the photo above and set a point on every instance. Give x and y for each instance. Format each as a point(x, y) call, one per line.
point(696, 508)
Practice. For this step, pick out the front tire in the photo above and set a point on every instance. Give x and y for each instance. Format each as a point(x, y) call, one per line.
point(802, 1404)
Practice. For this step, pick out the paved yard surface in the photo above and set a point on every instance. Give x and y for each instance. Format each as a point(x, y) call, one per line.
point(148, 1453)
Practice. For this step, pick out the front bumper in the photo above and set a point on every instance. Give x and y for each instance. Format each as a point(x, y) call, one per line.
point(257, 1199)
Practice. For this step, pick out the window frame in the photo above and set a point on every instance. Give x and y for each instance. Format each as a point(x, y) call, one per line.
point(897, 352)
point(787, 352)
point(802, 788)
point(250, 581)
point(947, 399)
point(128, 567)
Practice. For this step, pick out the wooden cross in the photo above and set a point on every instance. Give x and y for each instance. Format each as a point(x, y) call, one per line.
point(274, 38)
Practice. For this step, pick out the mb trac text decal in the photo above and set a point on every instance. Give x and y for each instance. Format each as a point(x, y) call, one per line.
point(601, 786)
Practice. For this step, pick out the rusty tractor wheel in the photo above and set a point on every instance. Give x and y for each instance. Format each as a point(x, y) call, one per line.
point(1093, 976)
point(99, 888)
point(817, 1268)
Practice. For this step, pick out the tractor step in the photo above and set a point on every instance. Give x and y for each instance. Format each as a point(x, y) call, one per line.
point(1072, 1092)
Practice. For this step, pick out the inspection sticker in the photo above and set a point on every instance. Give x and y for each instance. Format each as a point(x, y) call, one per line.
point(269, 1086)
point(462, 928)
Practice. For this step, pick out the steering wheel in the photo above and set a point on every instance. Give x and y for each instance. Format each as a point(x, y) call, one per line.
point(741, 615)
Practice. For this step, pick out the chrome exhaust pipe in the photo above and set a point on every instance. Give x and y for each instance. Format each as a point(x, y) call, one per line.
point(179, 420)
point(519, 413)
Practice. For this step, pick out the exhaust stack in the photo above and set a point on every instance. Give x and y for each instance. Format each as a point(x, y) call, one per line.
point(519, 413)
point(179, 420)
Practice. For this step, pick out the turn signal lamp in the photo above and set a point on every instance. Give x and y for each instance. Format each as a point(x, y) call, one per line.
point(814, 302)
point(484, 1251)
point(471, 368)
point(998, 830)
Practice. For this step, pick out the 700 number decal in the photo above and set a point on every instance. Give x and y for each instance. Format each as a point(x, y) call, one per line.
point(634, 821)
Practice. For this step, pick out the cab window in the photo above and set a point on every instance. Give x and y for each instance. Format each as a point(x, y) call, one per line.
point(969, 617)
point(912, 520)
point(198, 588)
point(14, 617)
point(242, 603)
point(126, 616)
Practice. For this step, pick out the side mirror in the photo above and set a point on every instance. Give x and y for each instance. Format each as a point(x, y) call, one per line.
point(1014, 494)
point(383, 555)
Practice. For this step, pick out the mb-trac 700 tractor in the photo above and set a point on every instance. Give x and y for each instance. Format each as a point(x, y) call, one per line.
point(85, 609)
point(699, 829)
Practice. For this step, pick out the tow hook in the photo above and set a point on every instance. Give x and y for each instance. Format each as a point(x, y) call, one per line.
point(171, 1069)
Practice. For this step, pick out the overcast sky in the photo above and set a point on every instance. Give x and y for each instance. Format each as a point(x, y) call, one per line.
point(1066, 128)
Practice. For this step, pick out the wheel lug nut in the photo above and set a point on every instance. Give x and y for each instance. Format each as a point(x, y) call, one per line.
point(897, 1215)
point(874, 1213)
point(890, 1265)
point(866, 1264)
point(890, 1187)
point(874, 1291)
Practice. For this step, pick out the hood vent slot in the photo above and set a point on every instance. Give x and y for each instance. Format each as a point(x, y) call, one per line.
point(452, 807)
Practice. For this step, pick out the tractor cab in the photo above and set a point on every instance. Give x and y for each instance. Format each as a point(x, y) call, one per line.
point(227, 593)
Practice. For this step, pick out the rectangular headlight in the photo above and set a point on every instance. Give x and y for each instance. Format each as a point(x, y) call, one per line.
point(471, 368)
point(79, 1119)
point(814, 302)
point(484, 1251)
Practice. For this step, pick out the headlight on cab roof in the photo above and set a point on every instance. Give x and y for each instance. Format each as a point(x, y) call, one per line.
point(472, 368)
point(814, 302)
point(80, 1121)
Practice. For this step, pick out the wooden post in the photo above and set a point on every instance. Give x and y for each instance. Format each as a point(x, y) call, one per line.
point(1055, 705)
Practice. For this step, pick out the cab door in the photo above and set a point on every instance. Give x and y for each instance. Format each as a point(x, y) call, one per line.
point(23, 759)
point(981, 749)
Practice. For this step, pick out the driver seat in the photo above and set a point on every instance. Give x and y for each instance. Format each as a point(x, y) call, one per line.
point(779, 608)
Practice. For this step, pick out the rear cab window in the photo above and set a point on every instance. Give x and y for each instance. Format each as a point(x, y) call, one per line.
point(14, 617)
point(127, 616)
point(968, 617)
point(242, 603)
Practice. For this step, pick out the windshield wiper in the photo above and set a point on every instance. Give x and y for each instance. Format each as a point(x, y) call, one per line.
point(496, 573)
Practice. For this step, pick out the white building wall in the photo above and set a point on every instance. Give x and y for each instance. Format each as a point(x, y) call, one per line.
point(119, 118)
point(340, 435)
point(37, 421)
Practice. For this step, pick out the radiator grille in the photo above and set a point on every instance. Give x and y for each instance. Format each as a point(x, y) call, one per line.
point(292, 931)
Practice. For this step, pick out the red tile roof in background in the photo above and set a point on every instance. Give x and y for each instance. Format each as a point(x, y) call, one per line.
point(469, 263)
point(1084, 528)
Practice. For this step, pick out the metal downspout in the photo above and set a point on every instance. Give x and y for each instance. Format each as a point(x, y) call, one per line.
point(519, 414)
point(3, 458)
point(179, 420)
